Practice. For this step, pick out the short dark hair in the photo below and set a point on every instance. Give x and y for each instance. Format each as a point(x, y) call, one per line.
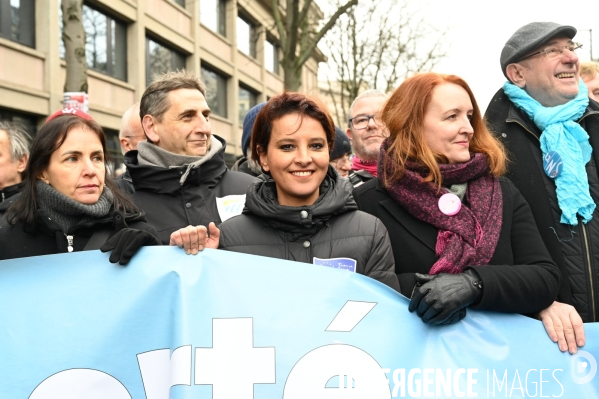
point(284, 104)
point(155, 102)
point(49, 138)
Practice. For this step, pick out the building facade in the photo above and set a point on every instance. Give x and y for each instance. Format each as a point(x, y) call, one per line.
point(231, 44)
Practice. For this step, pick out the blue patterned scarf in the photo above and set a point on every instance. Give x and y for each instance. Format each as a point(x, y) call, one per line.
point(563, 135)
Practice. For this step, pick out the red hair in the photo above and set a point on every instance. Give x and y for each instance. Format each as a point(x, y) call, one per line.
point(404, 116)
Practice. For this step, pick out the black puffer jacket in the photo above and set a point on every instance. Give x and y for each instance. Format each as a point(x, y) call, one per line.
point(575, 249)
point(169, 205)
point(17, 241)
point(330, 228)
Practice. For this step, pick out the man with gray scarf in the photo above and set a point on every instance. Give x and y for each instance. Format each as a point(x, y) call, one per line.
point(179, 174)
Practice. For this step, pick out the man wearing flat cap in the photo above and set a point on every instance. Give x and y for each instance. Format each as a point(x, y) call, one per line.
point(543, 116)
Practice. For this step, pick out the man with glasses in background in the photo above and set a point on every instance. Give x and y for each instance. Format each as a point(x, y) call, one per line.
point(366, 132)
point(543, 116)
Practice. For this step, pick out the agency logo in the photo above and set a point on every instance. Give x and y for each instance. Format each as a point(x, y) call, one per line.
point(584, 367)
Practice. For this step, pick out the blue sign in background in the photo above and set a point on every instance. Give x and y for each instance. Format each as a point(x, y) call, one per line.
point(232, 319)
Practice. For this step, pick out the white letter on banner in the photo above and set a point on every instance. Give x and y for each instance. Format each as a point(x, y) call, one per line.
point(526, 382)
point(399, 383)
point(560, 384)
point(541, 384)
point(503, 380)
point(519, 383)
point(471, 381)
point(80, 383)
point(426, 381)
point(442, 381)
point(232, 366)
point(160, 370)
point(411, 391)
point(456, 383)
point(309, 376)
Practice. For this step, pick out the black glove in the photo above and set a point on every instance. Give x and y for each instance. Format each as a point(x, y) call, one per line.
point(442, 298)
point(126, 243)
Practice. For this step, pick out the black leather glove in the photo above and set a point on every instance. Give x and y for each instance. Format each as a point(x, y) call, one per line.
point(442, 298)
point(126, 243)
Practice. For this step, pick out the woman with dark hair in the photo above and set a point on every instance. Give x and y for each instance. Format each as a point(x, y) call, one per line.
point(462, 235)
point(300, 209)
point(68, 202)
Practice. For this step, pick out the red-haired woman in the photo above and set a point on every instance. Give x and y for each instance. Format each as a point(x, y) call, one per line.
point(300, 209)
point(462, 236)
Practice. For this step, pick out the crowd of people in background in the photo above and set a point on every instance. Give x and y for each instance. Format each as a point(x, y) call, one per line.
point(449, 207)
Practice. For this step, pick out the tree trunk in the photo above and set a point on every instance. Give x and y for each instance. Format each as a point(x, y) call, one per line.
point(293, 78)
point(73, 36)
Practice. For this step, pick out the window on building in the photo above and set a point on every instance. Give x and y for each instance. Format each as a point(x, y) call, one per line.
point(17, 21)
point(113, 147)
point(247, 100)
point(271, 57)
point(28, 122)
point(161, 59)
point(213, 14)
point(246, 36)
point(180, 2)
point(216, 91)
point(105, 42)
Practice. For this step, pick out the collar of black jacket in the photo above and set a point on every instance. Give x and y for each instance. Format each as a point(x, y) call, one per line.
point(335, 198)
point(166, 180)
point(9, 191)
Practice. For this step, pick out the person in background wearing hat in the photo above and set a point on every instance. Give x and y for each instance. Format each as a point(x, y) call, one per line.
point(341, 154)
point(246, 164)
point(179, 173)
point(589, 72)
point(366, 132)
point(543, 116)
point(14, 153)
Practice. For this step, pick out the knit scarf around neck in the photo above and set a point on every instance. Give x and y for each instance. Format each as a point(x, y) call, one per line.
point(563, 135)
point(67, 212)
point(149, 154)
point(468, 238)
point(368, 166)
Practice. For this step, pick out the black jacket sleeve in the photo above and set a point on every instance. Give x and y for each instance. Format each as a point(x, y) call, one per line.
point(380, 264)
point(528, 284)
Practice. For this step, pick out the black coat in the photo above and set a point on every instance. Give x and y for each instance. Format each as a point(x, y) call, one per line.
point(520, 278)
point(17, 241)
point(169, 205)
point(575, 249)
point(330, 228)
point(8, 195)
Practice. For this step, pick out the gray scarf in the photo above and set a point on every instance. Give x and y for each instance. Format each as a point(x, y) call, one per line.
point(67, 212)
point(149, 154)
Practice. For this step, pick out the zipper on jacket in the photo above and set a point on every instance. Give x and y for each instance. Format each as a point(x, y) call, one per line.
point(69, 242)
point(525, 128)
point(588, 255)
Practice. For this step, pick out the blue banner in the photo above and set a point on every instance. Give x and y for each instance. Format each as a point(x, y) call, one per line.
point(227, 325)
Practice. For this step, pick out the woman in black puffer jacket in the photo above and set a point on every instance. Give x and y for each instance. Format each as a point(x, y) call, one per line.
point(68, 202)
point(300, 209)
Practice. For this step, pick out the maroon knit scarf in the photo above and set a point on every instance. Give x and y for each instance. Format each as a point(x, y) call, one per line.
point(468, 238)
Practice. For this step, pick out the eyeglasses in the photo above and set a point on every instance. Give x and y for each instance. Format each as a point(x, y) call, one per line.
point(135, 137)
point(555, 51)
point(362, 121)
